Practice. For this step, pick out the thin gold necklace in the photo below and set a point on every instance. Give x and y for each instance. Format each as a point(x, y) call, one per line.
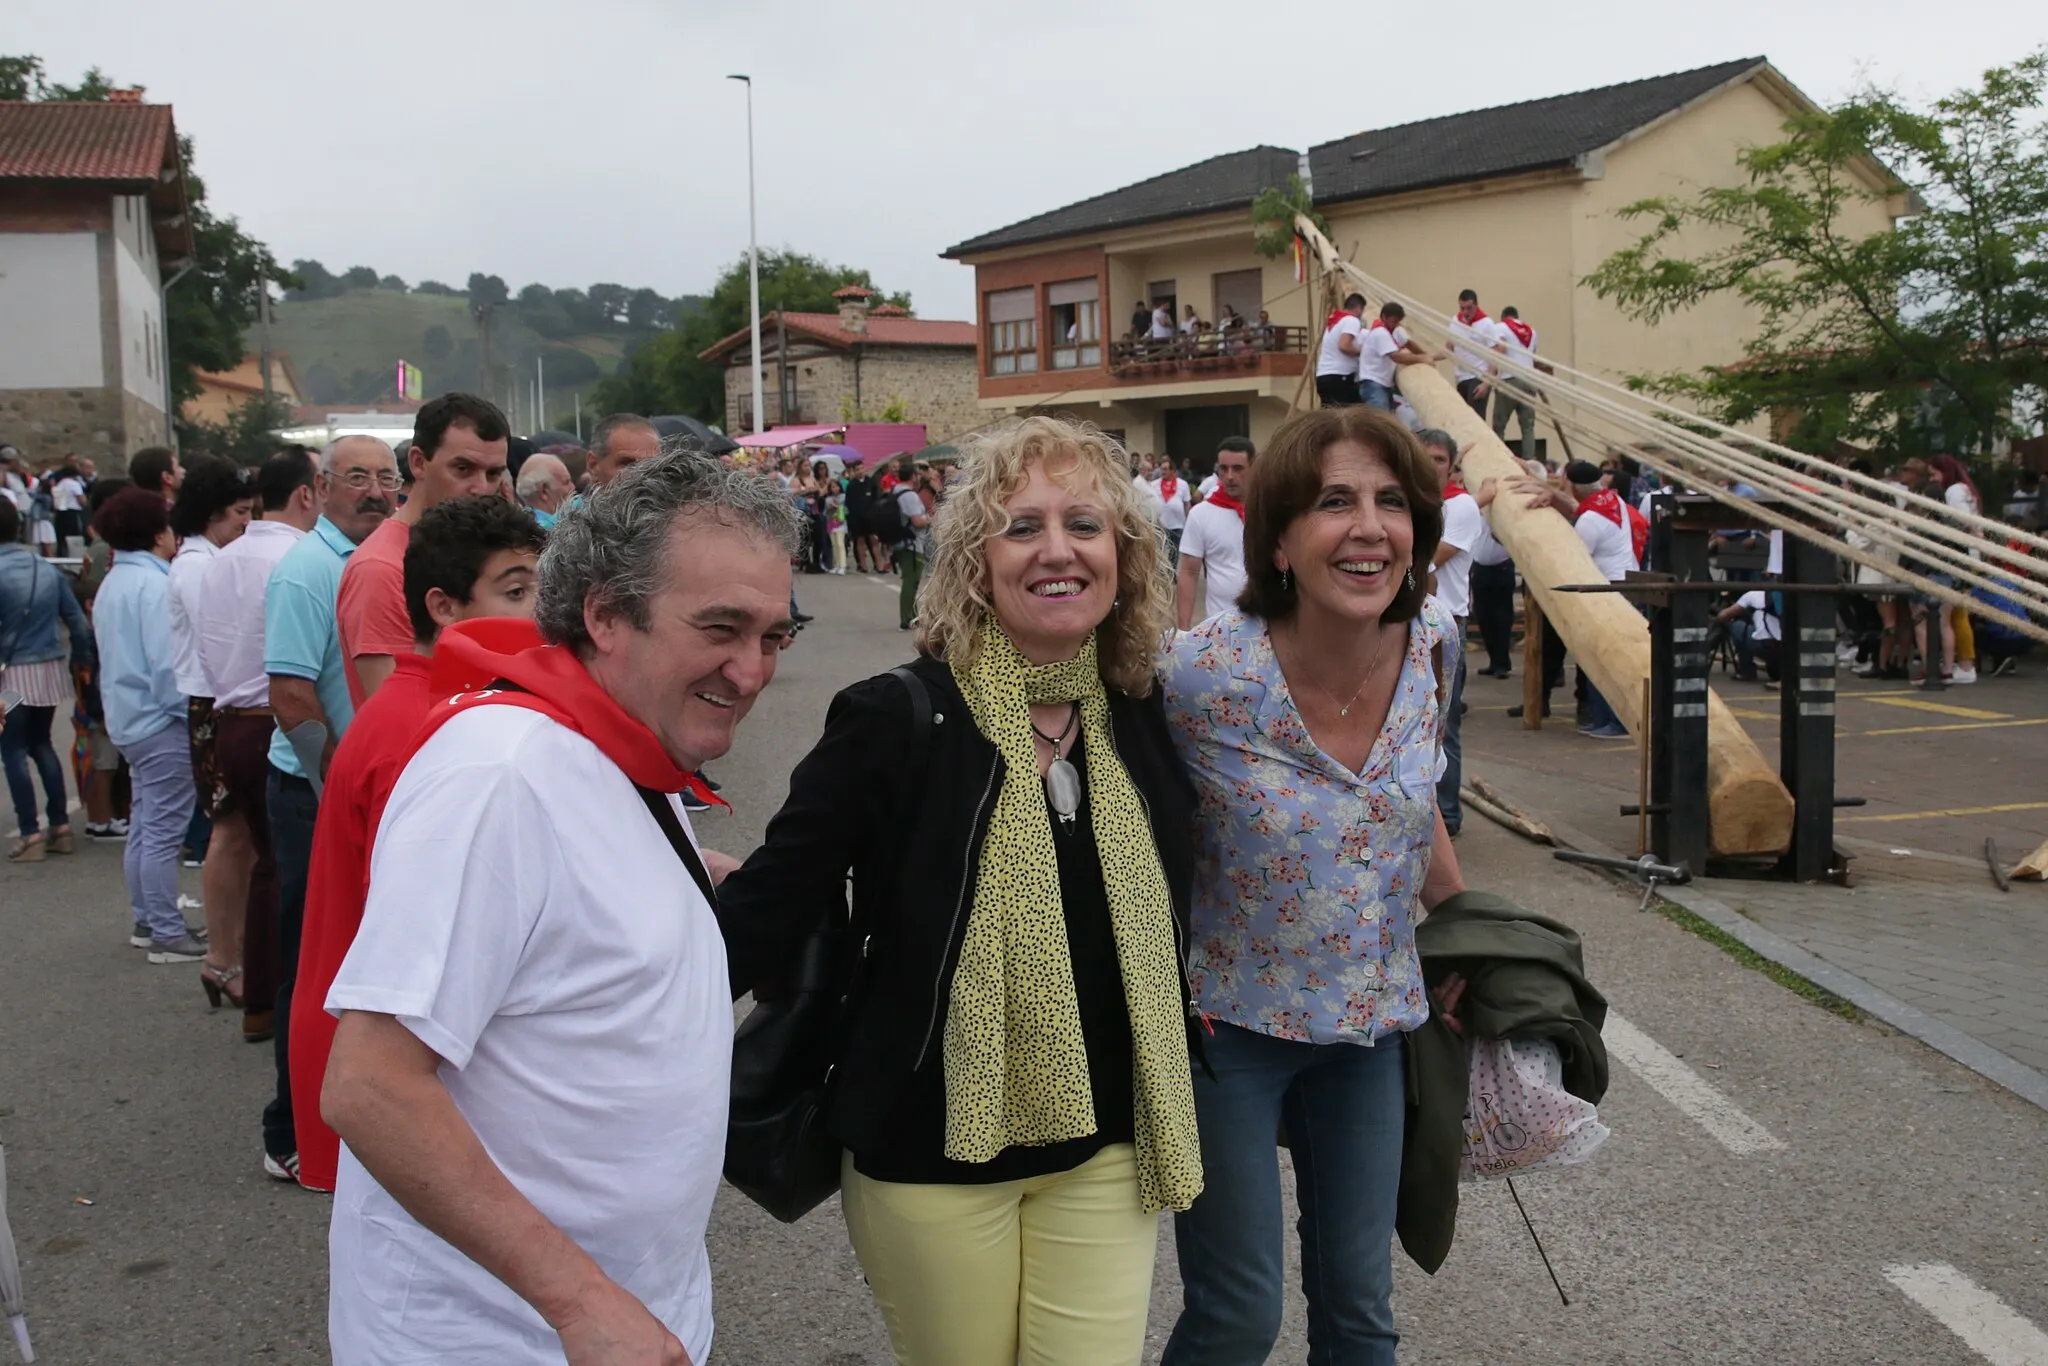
point(1370, 670)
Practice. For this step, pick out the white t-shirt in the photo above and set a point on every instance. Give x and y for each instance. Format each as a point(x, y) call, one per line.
point(1472, 344)
point(529, 922)
point(1331, 360)
point(1613, 550)
point(1516, 351)
point(1207, 488)
point(1173, 512)
point(68, 495)
point(188, 577)
point(1464, 526)
point(1763, 622)
point(1162, 324)
point(1148, 498)
point(1215, 536)
point(1376, 348)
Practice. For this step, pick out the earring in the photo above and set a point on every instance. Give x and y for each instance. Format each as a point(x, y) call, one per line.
point(1287, 580)
point(1411, 578)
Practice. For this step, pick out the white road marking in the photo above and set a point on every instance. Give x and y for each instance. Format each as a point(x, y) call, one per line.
point(1981, 1319)
point(1682, 1086)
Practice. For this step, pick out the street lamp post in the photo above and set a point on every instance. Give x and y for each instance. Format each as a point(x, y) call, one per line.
point(753, 254)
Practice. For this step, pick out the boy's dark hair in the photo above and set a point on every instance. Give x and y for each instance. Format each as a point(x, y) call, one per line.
point(430, 426)
point(1352, 301)
point(104, 489)
point(1511, 312)
point(212, 486)
point(450, 545)
point(284, 474)
point(1238, 443)
point(132, 519)
point(1467, 296)
point(150, 466)
point(1393, 311)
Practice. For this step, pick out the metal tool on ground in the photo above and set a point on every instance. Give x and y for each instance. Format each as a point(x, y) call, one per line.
point(1647, 869)
point(1562, 1298)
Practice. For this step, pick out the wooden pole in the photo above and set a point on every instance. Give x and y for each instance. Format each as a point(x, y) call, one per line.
point(1532, 661)
point(1750, 812)
point(2034, 866)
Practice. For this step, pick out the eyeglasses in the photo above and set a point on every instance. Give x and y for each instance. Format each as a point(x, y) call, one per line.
point(388, 480)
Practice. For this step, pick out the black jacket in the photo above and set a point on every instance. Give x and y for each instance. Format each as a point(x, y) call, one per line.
point(907, 825)
point(1524, 978)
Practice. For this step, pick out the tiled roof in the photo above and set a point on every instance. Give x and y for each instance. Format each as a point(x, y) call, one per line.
point(120, 144)
point(853, 292)
point(1231, 181)
point(1512, 138)
point(825, 327)
point(889, 311)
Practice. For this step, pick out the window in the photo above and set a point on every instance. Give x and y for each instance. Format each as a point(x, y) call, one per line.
point(1013, 332)
point(1073, 317)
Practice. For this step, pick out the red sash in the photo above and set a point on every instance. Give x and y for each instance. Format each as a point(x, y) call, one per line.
point(1168, 486)
point(1223, 500)
point(1523, 332)
point(1609, 505)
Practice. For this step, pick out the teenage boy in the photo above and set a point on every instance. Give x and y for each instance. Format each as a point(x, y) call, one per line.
point(475, 556)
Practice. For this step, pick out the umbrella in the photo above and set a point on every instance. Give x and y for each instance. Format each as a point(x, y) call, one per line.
point(706, 440)
point(10, 1274)
point(836, 458)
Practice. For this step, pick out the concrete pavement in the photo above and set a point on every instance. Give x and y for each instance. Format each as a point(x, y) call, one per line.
point(1896, 1187)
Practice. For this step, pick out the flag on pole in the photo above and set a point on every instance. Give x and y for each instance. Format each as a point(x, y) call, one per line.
point(1300, 261)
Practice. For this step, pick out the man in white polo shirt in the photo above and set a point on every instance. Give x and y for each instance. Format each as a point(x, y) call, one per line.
point(531, 1067)
point(1211, 572)
point(1337, 358)
point(1512, 396)
point(1475, 339)
point(1381, 348)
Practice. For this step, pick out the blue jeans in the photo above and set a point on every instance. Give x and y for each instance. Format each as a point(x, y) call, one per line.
point(292, 810)
point(1454, 746)
point(1599, 714)
point(1344, 1106)
point(26, 740)
point(1375, 394)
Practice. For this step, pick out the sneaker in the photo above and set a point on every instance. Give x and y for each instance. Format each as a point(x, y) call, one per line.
point(186, 950)
point(190, 903)
point(284, 1168)
point(692, 802)
point(1998, 670)
point(111, 830)
point(1516, 710)
point(138, 938)
point(1870, 671)
point(1965, 673)
point(191, 862)
point(1612, 731)
point(801, 617)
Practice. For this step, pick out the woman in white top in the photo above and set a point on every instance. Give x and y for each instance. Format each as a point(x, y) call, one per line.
point(1959, 491)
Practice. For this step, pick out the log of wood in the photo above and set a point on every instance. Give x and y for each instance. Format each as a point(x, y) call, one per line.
point(1749, 810)
point(2034, 866)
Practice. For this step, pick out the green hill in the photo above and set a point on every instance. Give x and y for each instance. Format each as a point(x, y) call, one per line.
point(345, 348)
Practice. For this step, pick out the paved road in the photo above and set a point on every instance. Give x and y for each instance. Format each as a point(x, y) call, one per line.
point(1770, 1162)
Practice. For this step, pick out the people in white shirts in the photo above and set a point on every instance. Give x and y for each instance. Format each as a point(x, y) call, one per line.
point(1382, 347)
point(1756, 634)
point(1162, 321)
point(1211, 572)
point(1475, 340)
point(1145, 482)
point(533, 1056)
point(212, 512)
point(1337, 359)
point(1450, 580)
point(1512, 395)
point(1173, 504)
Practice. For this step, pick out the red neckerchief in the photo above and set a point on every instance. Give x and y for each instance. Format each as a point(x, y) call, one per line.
point(1609, 505)
point(1224, 500)
point(1523, 332)
point(1453, 490)
point(1476, 318)
point(471, 656)
point(1381, 323)
point(1168, 486)
point(1337, 315)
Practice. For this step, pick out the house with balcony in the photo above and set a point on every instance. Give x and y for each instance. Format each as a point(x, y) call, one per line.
point(1517, 203)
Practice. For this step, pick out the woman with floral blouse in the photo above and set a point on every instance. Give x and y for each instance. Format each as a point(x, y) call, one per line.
point(1310, 720)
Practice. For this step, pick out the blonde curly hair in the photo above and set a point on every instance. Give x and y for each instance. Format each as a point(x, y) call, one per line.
point(956, 598)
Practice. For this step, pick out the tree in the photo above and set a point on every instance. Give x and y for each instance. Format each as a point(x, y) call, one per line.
point(435, 287)
point(487, 289)
point(437, 343)
point(1932, 336)
point(246, 437)
point(392, 282)
point(317, 281)
point(610, 301)
point(645, 308)
point(208, 311)
point(664, 374)
point(359, 277)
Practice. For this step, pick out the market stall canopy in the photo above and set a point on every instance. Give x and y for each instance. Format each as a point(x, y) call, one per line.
point(781, 438)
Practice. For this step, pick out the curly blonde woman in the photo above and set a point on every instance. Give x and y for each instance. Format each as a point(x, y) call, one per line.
point(1013, 1090)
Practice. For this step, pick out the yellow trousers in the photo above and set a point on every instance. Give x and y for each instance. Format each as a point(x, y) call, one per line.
point(1966, 637)
point(1051, 1271)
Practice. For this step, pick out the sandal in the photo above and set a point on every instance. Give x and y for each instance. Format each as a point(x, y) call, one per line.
point(60, 841)
point(219, 985)
point(28, 849)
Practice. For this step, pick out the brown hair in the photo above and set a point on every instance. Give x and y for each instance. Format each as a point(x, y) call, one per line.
point(1287, 478)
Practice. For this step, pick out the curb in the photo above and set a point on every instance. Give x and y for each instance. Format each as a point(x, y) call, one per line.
point(1981, 1058)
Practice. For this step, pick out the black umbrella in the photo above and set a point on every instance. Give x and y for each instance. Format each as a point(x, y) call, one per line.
point(553, 437)
point(706, 440)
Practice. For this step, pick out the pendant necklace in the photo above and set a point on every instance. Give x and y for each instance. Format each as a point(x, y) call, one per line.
point(1062, 780)
point(1370, 670)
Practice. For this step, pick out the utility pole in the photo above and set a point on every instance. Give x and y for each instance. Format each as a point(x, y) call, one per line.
point(540, 393)
point(263, 320)
point(782, 395)
point(579, 417)
point(753, 253)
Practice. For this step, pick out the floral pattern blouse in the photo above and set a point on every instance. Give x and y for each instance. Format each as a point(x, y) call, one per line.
point(1307, 875)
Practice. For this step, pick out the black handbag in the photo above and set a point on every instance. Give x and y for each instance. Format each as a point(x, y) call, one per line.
point(779, 1152)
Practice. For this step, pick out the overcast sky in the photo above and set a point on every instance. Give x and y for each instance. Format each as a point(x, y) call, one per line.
point(596, 140)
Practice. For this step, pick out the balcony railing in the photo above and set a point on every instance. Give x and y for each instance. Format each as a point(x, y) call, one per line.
point(1240, 348)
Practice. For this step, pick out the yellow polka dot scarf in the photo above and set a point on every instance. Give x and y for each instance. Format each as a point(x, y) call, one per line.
point(1016, 1065)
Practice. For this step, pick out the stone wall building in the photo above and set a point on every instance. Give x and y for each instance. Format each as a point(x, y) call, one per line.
point(93, 215)
point(824, 367)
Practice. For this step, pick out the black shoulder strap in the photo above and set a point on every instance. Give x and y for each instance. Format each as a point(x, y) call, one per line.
point(920, 709)
point(665, 816)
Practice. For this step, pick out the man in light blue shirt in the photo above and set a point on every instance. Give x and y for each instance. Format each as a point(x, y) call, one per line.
point(145, 715)
point(302, 655)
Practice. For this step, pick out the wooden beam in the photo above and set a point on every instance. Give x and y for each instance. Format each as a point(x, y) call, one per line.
point(1750, 812)
point(2034, 866)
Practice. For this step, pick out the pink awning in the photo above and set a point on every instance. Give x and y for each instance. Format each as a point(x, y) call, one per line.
point(779, 437)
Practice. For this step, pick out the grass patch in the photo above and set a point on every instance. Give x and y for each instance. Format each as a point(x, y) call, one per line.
point(1756, 962)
